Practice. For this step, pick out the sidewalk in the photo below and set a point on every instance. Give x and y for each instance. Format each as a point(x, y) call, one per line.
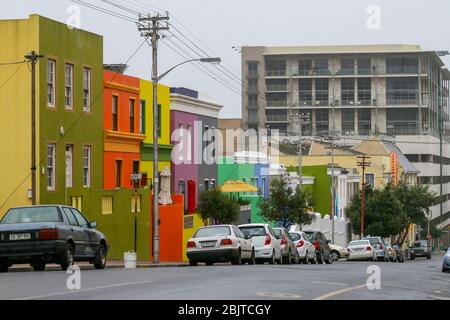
point(112, 264)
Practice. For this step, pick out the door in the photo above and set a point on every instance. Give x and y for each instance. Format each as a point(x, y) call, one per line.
point(246, 246)
point(90, 235)
point(69, 165)
point(77, 233)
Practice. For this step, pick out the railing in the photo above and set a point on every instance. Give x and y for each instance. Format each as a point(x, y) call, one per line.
point(276, 87)
point(321, 103)
point(413, 129)
point(277, 103)
point(346, 72)
point(364, 71)
point(275, 73)
point(305, 72)
point(305, 103)
point(277, 117)
point(402, 101)
point(402, 69)
point(323, 72)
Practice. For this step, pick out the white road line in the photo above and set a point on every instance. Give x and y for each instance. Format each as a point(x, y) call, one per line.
point(337, 292)
point(83, 290)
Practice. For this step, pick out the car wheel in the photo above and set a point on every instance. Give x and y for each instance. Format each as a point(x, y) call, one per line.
point(314, 260)
point(320, 259)
point(238, 260)
point(296, 258)
point(211, 263)
point(67, 259)
point(100, 259)
point(272, 259)
point(193, 263)
point(306, 260)
point(252, 259)
point(38, 266)
point(287, 259)
point(412, 257)
point(330, 259)
point(335, 255)
point(4, 268)
point(429, 257)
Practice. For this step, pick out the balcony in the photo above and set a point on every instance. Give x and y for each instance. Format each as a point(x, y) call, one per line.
point(275, 73)
point(276, 118)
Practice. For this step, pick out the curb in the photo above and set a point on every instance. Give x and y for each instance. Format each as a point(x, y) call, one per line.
point(113, 266)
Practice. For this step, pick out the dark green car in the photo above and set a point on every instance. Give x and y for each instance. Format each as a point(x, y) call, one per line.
point(420, 248)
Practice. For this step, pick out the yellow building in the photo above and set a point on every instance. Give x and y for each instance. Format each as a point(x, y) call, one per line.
point(165, 148)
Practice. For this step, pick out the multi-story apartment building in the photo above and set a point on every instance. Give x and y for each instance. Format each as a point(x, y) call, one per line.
point(396, 91)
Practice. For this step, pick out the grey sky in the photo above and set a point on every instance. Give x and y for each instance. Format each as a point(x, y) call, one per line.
point(224, 24)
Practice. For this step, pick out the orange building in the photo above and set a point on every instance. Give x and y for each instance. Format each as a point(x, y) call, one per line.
point(123, 129)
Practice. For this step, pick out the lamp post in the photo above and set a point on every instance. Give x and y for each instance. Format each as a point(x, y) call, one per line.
point(155, 81)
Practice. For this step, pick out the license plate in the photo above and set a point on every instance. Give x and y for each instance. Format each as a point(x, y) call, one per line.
point(208, 244)
point(20, 236)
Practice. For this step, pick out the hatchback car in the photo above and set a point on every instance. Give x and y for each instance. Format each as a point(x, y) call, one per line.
point(399, 252)
point(391, 252)
point(380, 248)
point(39, 235)
point(446, 262)
point(220, 243)
point(361, 250)
point(265, 243)
point(305, 248)
point(321, 245)
point(420, 248)
point(338, 252)
point(288, 249)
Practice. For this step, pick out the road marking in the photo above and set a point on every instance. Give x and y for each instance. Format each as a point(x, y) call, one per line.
point(337, 292)
point(84, 290)
point(279, 295)
point(437, 297)
point(331, 283)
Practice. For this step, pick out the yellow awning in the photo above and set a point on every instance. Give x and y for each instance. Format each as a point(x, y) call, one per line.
point(237, 186)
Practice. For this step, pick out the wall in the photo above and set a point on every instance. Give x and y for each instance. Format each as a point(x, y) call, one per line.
point(171, 231)
point(207, 171)
point(127, 168)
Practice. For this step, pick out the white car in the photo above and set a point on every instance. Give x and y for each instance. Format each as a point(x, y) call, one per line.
point(338, 252)
point(361, 250)
point(305, 249)
point(267, 246)
point(220, 243)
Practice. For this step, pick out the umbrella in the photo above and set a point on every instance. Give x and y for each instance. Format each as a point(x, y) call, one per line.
point(237, 186)
point(165, 197)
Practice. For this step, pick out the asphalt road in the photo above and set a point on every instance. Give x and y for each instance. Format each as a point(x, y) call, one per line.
point(419, 279)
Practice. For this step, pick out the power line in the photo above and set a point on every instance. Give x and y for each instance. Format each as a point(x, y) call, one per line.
point(12, 75)
point(12, 63)
point(92, 102)
point(106, 11)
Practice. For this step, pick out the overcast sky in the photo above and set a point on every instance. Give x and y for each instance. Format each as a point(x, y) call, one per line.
point(223, 24)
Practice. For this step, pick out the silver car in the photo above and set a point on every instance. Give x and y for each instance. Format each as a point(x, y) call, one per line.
point(380, 248)
point(265, 243)
point(305, 249)
point(288, 248)
point(220, 243)
point(361, 250)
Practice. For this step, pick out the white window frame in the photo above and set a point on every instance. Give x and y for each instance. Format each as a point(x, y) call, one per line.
point(87, 89)
point(69, 174)
point(51, 81)
point(51, 166)
point(68, 86)
point(87, 158)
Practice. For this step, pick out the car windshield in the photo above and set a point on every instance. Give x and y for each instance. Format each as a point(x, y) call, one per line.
point(358, 243)
point(374, 241)
point(278, 232)
point(419, 244)
point(295, 236)
point(254, 231)
point(212, 232)
point(31, 215)
point(310, 235)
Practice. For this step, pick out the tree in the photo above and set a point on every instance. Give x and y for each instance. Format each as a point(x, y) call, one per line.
point(214, 204)
point(286, 206)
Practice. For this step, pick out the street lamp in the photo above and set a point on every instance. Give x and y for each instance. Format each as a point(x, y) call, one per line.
point(155, 80)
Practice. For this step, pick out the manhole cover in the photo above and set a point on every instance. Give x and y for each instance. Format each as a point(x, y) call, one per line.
point(279, 295)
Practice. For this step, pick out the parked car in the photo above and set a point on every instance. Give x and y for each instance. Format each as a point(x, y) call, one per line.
point(391, 252)
point(446, 261)
point(305, 248)
point(321, 244)
point(220, 243)
point(38, 235)
point(380, 248)
point(399, 252)
point(361, 250)
point(420, 248)
point(287, 245)
point(267, 246)
point(338, 252)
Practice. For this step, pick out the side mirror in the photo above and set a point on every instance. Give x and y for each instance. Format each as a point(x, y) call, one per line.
point(93, 224)
point(329, 241)
point(248, 236)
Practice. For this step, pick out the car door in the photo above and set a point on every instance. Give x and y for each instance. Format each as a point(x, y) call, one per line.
point(276, 243)
point(91, 244)
point(76, 233)
point(246, 247)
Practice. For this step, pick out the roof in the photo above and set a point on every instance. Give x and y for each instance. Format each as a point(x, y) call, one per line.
point(323, 149)
point(408, 167)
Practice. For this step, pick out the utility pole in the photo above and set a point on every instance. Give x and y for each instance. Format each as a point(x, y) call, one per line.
point(33, 58)
point(333, 186)
point(150, 26)
point(363, 162)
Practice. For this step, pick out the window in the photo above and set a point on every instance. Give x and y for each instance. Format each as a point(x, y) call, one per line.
point(136, 203)
point(70, 217)
point(115, 113)
point(253, 116)
point(322, 92)
point(276, 99)
point(348, 121)
point(51, 82)
point(401, 91)
point(252, 69)
point(131, 115)
point(136, 165)
point(364, 122)
point(305, 92)
point(68, 89)
point(207, 185)
point(276, 85)
point(252, 85)
point(142, 118)
point(107, 205)
point(118, 173)
point(364, 91)
point(347, 66)
point(263, 186)
point(183, 191)
point(370, 179)
point(86, 89)
point(305, 68)
point(76, 202)
point(322, 122)
point(82, 222)
point(364, 66)
point(348, 91)
point(51, 164)
point(276, 67)
point(321, 67)
point(253, 101)
point(159, 120)
point(69, 165)
point(87, 166)
point(402, 65)
point(404, 121)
